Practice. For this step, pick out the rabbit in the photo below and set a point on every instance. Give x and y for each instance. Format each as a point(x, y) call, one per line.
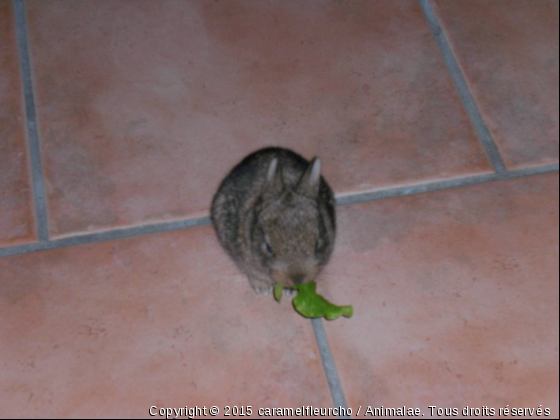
point(274, 214)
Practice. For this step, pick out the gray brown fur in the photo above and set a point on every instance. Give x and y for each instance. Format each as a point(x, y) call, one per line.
point(275, 216)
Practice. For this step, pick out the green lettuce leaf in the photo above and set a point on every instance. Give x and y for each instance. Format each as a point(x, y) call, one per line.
point(311, 305)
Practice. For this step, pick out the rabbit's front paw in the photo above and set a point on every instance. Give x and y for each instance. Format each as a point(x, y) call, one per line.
point(261, 288)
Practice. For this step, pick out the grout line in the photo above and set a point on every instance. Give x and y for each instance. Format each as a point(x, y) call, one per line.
point(129, 232)
point(484, 136)
point(415, 189)
point(445, 184)
point(33, 143)
point(329, 367)
point(104, 236)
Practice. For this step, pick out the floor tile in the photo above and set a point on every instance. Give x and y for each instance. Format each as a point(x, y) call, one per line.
point(455, 296)
point(509, 52)
point(140, 121)
point(16, 215)
point(111, 329)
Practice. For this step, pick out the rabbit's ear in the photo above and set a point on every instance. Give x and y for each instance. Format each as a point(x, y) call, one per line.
point(274, 181)
point(309, 182)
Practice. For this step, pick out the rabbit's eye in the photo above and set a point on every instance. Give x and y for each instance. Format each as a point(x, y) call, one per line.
point(318, 245)
point(268, 249)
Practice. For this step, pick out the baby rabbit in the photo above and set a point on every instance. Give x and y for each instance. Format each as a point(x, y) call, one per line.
point(275, 216)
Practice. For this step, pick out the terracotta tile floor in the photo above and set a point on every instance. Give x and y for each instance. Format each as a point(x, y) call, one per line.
point(143, 107)
point(127, 119)
point(114, 328)
point(456, 298)
point(511, 62)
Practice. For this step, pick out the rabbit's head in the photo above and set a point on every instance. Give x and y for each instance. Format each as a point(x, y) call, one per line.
point(289, 235)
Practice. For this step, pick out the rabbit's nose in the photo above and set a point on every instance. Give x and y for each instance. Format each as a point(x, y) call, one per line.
point(298, 278)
